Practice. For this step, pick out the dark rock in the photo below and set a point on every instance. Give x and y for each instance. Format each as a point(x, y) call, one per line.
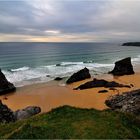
point(103, 91)
point(47, 75)
point(115, 84)
point(5, 85)
point(6, 114)
point(100, 83)
point(127, 102)
point(131, 44)
point(27, 112)
point(58, 79)
point(80, 75)
point(123, 67)
point(58, 64)
point(131, 85)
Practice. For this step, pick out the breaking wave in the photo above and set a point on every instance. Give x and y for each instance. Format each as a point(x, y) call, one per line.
point(27, 75)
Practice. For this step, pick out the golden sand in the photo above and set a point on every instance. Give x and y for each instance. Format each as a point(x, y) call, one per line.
point(49, 96)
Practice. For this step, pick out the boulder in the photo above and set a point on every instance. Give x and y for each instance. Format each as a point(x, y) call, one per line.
point(5, 85)
point(27, 112)
point(80, 75)
point(127, 102)
point(58, 79)
point(6, 114)
point(123, 67)
point(100, 83)
point(58, 64)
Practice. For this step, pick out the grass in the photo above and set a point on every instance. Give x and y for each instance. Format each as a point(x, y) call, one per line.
point(73, 123)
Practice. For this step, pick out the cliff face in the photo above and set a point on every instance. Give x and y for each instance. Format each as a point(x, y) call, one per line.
point(5, 85)
point(131, 44)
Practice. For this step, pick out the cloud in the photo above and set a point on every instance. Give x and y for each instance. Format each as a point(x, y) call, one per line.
point(69, 20)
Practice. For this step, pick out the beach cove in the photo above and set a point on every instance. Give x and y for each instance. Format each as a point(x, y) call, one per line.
point(53, 94)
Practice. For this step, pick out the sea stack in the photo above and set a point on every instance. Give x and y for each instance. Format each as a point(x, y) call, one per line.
point(80, 75)
point(5, 85)
point(123, 67)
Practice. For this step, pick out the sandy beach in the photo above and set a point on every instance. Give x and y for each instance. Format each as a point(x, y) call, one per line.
point(52, 95)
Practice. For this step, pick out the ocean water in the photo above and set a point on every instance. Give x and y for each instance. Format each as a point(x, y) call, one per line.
point(28, 63)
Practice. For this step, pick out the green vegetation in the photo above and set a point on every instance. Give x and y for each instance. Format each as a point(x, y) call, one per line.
point(69, 122)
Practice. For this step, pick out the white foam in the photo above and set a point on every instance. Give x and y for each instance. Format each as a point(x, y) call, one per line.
point(20, 69)
point(26, 75)
point(71, 63)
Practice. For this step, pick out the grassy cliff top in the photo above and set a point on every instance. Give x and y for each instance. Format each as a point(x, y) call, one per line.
point(74, 123)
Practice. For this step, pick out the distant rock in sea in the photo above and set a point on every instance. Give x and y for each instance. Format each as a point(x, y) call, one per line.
point(127, 102)
point(80, 75)
point(58, 64)
point(131, 44)
point(123, 67)
point(5, 85)
point(100, 83)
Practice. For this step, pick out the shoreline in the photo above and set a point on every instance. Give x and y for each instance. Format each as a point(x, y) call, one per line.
point(51, 95)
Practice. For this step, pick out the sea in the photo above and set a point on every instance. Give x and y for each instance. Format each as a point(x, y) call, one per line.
point(30, 63)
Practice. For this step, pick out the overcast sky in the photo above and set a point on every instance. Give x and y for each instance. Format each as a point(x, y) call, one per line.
point(70, 20)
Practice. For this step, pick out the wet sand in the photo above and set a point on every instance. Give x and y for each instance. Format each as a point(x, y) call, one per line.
point(52, 95)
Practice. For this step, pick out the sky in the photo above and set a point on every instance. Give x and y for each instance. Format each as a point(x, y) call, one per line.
point(69, 20)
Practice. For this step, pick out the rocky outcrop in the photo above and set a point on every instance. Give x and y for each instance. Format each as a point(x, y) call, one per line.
point(127, 102)
point(100, 83)
point(5, 85)
point(6, 114)
point(131, 44)
point(80, 75)
point(123, 67)
point(27, 112)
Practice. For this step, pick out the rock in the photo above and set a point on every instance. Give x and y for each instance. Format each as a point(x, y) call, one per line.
point(5, 85)
point(115, 84)
point(80, 75)
point(58, 79)
point(103, 91)
point(127, 102)
point(6, 114)
point(131, 44)
point(58, 64)
point(100, 83)
point(123, 67)
point(27, 112)
point(131, 85)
